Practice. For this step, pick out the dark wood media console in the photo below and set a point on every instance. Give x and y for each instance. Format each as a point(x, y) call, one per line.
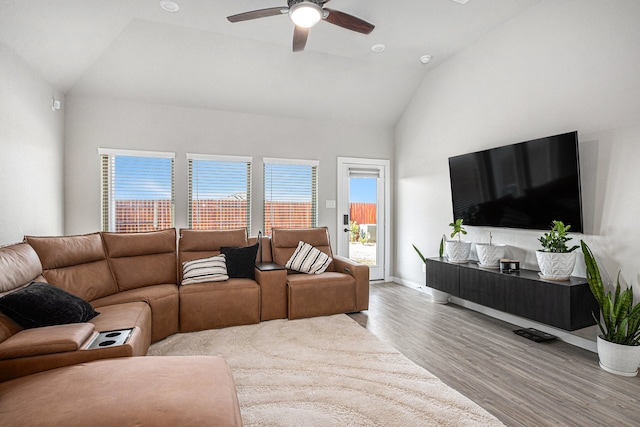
point(564, 304)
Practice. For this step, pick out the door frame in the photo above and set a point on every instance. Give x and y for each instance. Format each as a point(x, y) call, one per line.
point(344, 198)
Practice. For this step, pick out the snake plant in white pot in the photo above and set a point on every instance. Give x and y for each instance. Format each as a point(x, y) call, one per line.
point(457, 250)
point(618, 320)
point(556, 260)
point(437, 295)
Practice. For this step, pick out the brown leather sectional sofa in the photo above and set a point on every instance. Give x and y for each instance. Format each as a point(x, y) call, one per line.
point(133, 281)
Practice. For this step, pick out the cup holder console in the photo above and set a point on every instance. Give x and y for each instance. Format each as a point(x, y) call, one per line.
point(110, 339)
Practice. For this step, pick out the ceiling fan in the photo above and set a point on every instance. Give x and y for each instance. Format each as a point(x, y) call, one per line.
point(305, 14)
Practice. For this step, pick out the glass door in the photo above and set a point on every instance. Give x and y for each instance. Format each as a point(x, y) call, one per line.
point(362, 212)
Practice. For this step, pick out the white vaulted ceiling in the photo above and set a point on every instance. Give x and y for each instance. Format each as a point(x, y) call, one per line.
point(133, 49)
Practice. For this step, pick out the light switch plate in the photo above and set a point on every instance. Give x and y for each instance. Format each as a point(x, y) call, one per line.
point(330, 204)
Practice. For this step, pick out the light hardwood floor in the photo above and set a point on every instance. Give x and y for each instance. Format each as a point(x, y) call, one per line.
point(521, 382)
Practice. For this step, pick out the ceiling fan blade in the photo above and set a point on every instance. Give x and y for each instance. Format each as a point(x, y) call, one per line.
point(347, 21)
point(255, 14)
point(300, 35)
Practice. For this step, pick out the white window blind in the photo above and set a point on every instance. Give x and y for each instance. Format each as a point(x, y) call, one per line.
point(137, 190)
point(219, 192)
point(290, 194)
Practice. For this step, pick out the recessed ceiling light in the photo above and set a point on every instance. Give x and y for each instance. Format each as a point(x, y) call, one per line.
point(425, 58)
point(461, 1)
point(169, 6)
point(377, 48)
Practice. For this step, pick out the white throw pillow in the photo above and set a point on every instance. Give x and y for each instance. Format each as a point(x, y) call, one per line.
point(307, 259)
point(212, 269)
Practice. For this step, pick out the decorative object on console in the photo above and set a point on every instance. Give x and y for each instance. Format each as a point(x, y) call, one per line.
point(458, 250)
point(509, 265)
point(619, 343)
point(489, 255)
point(556, 260)
point(41, 304)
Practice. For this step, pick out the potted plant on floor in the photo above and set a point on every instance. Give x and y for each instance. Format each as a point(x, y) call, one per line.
point(619, 322)
point(489, 255)
point(556, 260)
point(437, 296)
point(457, 250)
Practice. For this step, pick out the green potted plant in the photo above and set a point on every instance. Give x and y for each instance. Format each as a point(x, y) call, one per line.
point(457, 250)
point(618, 320)
point(437, 295)
point(556, 260)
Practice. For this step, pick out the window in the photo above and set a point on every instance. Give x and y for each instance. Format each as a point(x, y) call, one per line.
point(219, 192)
point(137, 190)
point(290, 194)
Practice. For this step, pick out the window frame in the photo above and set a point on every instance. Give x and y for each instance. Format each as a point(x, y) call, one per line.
point(247, 160)
point(107, 160)
point(313, 164)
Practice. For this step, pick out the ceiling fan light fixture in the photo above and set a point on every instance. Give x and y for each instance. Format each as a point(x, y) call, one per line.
point(305, 14)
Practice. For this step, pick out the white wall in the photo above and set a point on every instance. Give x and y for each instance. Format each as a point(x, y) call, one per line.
point(31, 149)
point(92, 123)
point(560, 66)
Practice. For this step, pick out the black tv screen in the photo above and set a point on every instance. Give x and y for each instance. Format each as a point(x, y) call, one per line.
point(524, 185)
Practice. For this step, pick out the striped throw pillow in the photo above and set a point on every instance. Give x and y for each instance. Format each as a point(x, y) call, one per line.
point(307, 259)
point(212, 269)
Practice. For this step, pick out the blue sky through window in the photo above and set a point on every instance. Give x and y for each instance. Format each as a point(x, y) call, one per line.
point(142, 178)
point(219, 180)
point(362, 190)
point(149, 178)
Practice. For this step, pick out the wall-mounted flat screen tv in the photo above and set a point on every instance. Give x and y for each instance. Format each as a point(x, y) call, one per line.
point(524, 185)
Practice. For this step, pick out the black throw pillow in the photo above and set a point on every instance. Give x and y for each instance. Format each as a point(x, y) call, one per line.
point(41, 304)
point(241, 261)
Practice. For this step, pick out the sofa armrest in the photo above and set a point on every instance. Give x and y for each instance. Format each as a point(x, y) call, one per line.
point(273, 291)
point(360, 272)
point(350, 267)
point(46, 340)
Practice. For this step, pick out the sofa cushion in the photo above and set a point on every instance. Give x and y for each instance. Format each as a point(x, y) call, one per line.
point(196, 244)
point(142, 259)
point(307, 259)
point(284, 242)
point(321, 294)
point(77, 264)
point(19, 265)
point(217, 305)
point(162, 299)
point(241, 261)
point(212, 269)
point(41, 304)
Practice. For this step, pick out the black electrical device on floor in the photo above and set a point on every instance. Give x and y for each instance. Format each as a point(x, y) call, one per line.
point(534, 334)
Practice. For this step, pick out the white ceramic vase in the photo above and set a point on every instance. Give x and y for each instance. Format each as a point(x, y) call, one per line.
point(489, 255)
point(458, 251)
point(619, 359)
point(556, 265)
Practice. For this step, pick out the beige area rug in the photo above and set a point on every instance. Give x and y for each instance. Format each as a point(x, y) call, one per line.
point(326, 371)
